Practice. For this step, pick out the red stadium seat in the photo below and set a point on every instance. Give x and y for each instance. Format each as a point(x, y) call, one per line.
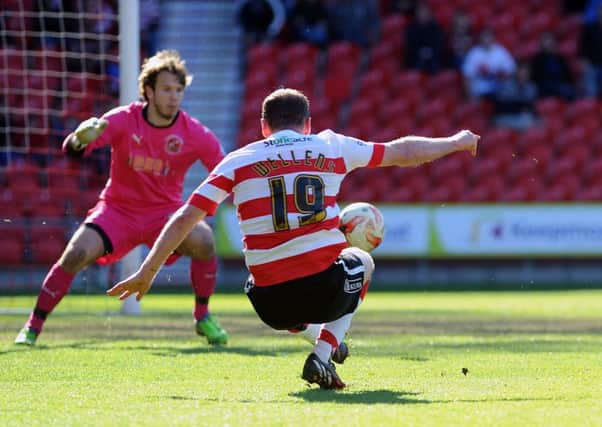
point(46, 251)
point(392, 27)
point(338, 85)
point(371, 80)
point(527, 185)
point(524, 167)
point(571, 136)
point(360, 108)
point(582, 107)
point(535, 135)
point(263, 52)
point(538, 153)
point(589, 194)
point(550, 107)
point(384, 52)
point(260, 80)
point(23, 176)
point(342, 52)
point(13, 247)
point(446, 168)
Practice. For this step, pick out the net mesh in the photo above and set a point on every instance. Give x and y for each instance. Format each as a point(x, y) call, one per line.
point(58, 65)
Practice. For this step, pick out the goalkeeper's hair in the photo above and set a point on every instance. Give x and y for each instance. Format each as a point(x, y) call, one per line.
point(284, 108)
point(164, 60)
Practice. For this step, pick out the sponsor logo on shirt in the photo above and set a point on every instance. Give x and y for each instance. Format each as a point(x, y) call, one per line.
point(279, 142)
point(173, 144)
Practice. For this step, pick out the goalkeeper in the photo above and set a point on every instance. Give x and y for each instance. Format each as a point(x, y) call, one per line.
point(153, 144)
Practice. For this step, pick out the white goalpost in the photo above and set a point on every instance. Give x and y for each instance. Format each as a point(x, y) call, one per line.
point(129, 66)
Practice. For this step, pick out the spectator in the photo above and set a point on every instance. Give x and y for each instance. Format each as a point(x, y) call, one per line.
point(485, 65)
point(515, 100)
point(261, 20)
point(356, 21)
point(591, 11)
point(404, 7)
point(309, 22)
point(149, 26)
point(550, 70)
point(591, 54)
point(424, 41)
point(460, 37)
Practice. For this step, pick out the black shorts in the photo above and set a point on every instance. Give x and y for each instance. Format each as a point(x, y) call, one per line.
point(319, 298)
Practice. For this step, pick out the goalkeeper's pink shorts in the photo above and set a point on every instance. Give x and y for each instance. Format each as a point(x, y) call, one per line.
point(127, 228)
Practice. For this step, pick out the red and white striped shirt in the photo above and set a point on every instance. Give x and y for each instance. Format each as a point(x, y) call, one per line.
point(285, 189)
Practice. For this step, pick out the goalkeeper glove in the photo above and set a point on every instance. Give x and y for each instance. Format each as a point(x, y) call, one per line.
point(88, 131)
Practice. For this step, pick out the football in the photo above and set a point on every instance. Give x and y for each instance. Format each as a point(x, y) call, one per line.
point(363, 225)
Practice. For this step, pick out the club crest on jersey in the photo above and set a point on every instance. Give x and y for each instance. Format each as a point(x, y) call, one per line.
point(173, 144)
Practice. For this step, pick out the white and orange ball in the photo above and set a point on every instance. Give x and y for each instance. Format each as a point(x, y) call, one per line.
point(363, 225)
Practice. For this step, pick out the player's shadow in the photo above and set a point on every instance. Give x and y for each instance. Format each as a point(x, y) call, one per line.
point(364, 397)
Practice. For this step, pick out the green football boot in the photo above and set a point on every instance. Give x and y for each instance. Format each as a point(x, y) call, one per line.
point(209, 327)
point(27, 336)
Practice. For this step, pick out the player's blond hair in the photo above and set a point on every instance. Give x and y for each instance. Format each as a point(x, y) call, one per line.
point(164, 60)
point(285, 108)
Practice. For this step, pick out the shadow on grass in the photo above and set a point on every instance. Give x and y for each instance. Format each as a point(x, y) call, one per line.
point(365, 397)
point(389, 397)
point(166, 351)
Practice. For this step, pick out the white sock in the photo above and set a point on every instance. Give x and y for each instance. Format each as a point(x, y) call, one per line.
point(312, 332)
point(323, 350)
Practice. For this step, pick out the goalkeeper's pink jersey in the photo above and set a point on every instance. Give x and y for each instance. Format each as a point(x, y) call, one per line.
point(148, 164)
point(285, 189)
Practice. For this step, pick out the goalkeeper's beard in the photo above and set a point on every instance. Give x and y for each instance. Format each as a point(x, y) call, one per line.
point(164, 114)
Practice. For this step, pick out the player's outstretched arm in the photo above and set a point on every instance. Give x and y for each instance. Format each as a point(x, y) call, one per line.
point(174, 232)
point(416, 150)
point(88, 131)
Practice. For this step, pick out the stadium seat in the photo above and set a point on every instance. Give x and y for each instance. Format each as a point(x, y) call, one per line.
point(23, 176)
point(299, 54)
point(385, 52)
point(466, 111)
point(46, 251)
point(338, 84)
point(13, 247)
point(592, 173)
point(303, 79)
point(538, 153)
point(535, 135)
point(524, 167)
point(408, 79)
point(397, 109)
point(582, 107)
point(528, 186)
point(371, 80)
point(392, 27)
point(550, 107)
point(571, 136)
point(589, 194)
point(263, 53)
point(260, 80)
point(342, 52)
point(443, 81)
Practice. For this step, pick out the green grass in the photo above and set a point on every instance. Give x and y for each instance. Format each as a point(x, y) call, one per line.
point(533, 359)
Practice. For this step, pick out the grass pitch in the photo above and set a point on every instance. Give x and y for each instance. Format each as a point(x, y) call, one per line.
point(418, 359)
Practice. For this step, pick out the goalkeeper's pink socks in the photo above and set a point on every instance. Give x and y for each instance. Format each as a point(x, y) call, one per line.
point(203, 274)
point(55, 286)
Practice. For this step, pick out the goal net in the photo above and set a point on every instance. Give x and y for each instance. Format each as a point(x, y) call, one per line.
point(59, 64)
